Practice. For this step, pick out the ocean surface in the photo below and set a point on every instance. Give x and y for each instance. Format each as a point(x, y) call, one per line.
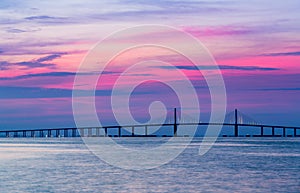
point(232, 165)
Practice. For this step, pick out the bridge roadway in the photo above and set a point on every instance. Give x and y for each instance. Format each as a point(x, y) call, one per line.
point(77, 132)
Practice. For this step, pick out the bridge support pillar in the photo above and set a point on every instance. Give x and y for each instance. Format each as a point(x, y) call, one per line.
point(15, 134)
point(7, 133)
point(65, 132)
point(32, 133)
point(97, 132)
point(49, 133)
point(132, 131)
point(261, 131)
point(74, 132)
point(273, 131)
point(90, 132)
point(236, 130)
point(146, 130)
point(24, 133)
point(295, 132)
point(105, 131)
point(283, 132)
point(119, 131)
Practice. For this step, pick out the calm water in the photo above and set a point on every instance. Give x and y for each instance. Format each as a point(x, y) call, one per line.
point(232, 165)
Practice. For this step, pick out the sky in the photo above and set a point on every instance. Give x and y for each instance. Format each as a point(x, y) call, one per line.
point(256, 45)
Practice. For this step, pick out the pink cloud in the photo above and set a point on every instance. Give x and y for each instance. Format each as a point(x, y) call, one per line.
point(286, 64)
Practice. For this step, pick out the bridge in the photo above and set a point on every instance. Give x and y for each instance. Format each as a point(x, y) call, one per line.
point(235, 120)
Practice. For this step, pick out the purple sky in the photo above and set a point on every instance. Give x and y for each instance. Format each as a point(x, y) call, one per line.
point(255, 43)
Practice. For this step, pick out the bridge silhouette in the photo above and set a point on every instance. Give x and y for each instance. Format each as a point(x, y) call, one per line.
point(235, 119)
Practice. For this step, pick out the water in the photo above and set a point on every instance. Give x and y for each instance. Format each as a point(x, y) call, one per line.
point(232, 165)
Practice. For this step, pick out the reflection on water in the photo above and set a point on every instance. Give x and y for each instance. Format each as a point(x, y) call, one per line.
point(232, 165)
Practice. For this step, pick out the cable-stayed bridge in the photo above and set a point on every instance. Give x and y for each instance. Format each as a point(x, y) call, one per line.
point(234, 120)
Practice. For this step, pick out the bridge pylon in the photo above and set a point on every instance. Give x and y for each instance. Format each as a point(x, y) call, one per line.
point(175, 122)
point(236, 127)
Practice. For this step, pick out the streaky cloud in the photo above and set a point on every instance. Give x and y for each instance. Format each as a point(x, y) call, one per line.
point(15, 30)
point(49, 20)
point(25, 48)
point(18, 30)
point(222, 67)
point(49, 58)
point(42, 17)
point(283, 54)
point(17, 92)
point(63, 74)
point(35, 63)
point(219, 30)
point(49, 74)
point(247, 68)
point(279, 89)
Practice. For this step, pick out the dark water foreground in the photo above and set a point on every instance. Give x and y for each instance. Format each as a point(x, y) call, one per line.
point(232, 165)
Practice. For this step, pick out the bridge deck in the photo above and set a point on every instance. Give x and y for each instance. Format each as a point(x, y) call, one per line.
point(77, 132)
